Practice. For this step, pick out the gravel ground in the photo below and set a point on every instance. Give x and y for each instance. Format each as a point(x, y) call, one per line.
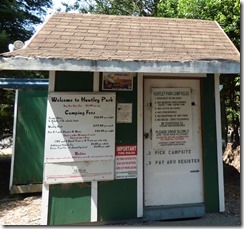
point(18, 211)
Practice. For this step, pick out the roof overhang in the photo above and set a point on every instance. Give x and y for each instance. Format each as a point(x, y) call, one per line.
point(48, 64)
point(16, 83)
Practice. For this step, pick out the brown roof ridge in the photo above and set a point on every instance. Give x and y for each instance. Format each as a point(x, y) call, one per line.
point(131, 16)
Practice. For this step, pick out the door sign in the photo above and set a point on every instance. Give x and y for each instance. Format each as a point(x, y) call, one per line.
point(171, 118)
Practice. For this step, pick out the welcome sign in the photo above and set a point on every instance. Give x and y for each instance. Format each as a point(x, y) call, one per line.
point(80, 127)
point(80, 137)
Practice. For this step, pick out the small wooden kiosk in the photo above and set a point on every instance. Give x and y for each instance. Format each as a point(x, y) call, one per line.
point(133, 117)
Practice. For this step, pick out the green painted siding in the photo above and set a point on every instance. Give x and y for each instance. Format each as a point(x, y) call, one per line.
point(30, 137)
point(74, 81)
point(126, 133)
point(117, 200)
point(69, 203)
point(210, 145)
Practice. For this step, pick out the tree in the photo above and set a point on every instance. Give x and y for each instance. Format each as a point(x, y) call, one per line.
point(230, 104)
point(116, 7)
point(17, 20)
point(225, 12)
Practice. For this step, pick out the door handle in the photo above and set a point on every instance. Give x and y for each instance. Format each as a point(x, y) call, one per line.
point(147, 135)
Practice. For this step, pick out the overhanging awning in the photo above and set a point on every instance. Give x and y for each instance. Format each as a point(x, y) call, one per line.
point(16, 83)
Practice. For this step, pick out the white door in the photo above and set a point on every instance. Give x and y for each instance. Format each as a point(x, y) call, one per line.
point(173, 171)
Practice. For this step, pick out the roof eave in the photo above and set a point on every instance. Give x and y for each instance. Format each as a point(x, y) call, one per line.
point(49, 64)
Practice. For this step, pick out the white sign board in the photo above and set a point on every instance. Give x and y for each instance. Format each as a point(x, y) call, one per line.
point(80, 127)
point(82, 171)
point(171, 118)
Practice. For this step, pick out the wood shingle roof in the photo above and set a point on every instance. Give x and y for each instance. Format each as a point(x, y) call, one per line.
point(73, 36)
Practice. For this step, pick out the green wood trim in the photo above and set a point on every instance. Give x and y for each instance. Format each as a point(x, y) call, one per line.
point(210, 145)
point(69, 203)
point(73, 81)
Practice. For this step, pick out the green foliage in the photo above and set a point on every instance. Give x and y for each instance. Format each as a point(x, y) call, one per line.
point(230, 102)
point(116, 7)
point(225, 12)
point(6, 113)
point(17, 18)
point(168, 8)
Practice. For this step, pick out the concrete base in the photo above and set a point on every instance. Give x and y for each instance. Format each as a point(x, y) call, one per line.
point(30, 188)
point(174, 212)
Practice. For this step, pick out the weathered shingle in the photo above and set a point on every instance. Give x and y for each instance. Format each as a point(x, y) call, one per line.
point(106, 37)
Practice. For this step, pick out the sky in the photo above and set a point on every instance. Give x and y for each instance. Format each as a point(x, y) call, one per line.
point(57, 3)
